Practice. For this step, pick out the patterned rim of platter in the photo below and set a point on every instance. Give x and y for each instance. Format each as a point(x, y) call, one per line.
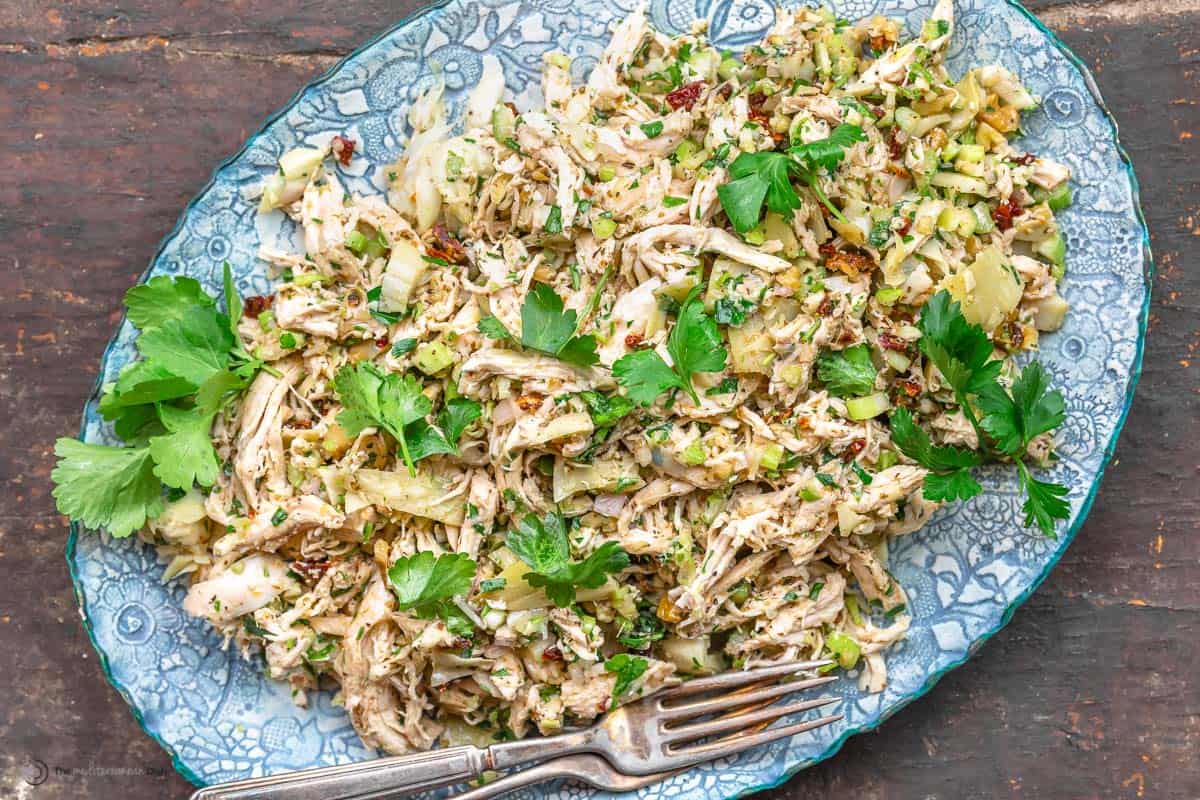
point(221, 719)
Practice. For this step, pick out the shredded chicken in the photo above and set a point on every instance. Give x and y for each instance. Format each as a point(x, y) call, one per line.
point(740, 516)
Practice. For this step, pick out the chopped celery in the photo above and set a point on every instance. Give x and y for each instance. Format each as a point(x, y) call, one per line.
point(504, 122)
point(770, 456)
point(756, 235)
point(606, 173)
point(694, 454)
point(971, 153)
point(960, 183)
point(309, 278)
point(860, 408)
point(1053, 249)
point(983, 217)
point(886, 459)
point(888, 295)
point(812, 491)
point(433, 357)
point(728, 68)
point(851, 603)
point(845, 649)
point(356, 242)
point(1060, 198)
point(603, 227)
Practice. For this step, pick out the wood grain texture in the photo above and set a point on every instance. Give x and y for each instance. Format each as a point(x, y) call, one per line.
point(112, 117)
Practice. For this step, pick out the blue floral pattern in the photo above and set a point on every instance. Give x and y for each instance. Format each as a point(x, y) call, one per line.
point(221, 718)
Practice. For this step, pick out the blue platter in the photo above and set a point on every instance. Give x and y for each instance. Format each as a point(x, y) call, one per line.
point(221, 719)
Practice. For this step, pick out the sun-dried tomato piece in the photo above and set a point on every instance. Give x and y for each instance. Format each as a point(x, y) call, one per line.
point(853, 449)
point(1004, 213)
point(1023, 160)
point(895, 146)
point(381, 342)
point(909, 388)
point(685, 96)
point(343, 149)
point(845, 261)
point(890, 341)
point(633, 340)
point(444, 245)
point(552, 653)
point(257, 304)
point(310, 569)
point(905, 226)
point(529, 402)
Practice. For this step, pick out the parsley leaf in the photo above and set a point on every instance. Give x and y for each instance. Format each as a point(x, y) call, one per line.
point(605, 409)
point(627, 668)
point(758, 177)
point(957, 348)
point(645, 375)
point(849, 373)
point(732, 311)
point(193, 346)
point(184, 455)
point(493, 328)
point(694, 345)
point(827, 153)
point(188, 347)
point(640, 633)
point(1013, 420)
point(652, 129)
point(726, 386)
point(547, 328)
point(543, 546)
point(1044, 502)
point(388, 401)
point(766, 176)
point(110, 487)
point(554, 223)
point(427, 584)
point(950, 475)
point(162, 299)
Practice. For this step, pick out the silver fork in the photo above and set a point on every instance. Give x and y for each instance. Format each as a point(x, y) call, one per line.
point(656, 734)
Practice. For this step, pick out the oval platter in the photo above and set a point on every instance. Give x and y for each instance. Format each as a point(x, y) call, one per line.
point(221, 719)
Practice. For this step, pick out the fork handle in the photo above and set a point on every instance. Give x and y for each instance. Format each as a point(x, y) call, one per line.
point(368, 780)
point(538, 773)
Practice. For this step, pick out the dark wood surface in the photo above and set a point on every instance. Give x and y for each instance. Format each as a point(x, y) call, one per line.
point(112, 117)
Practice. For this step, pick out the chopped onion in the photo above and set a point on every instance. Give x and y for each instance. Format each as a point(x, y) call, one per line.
point(610, 505)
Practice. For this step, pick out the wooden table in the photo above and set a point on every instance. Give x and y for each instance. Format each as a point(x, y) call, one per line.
point(111, 118)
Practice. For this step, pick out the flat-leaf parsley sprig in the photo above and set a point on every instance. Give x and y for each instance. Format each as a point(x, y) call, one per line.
point(192, 364)
point(1006, 420)
point(694, 345)
point(398, 404)
point(547, 328)
point(543, 546)
point(767, 177)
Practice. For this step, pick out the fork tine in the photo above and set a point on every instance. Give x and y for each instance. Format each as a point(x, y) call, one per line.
point(744, 697)
point(731, 745)
point(732, 680)
point(738, 721)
